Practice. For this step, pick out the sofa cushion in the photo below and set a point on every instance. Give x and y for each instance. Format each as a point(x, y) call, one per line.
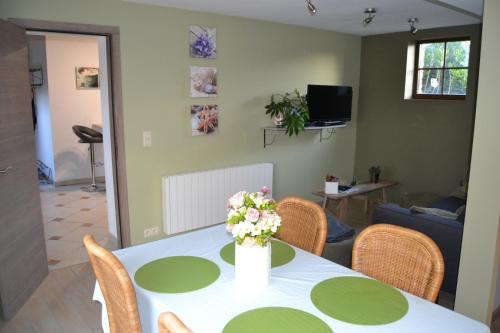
point(337, 231)
point(401, 214)
point(450, 204)
point(447, 234)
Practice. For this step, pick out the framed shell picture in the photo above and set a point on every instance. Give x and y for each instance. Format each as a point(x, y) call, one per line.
point(204, 119)
point(202, 42)
point(203, 81)
point(87, 77)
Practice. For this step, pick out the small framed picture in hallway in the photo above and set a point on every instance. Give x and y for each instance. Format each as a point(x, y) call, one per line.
point(87, 77)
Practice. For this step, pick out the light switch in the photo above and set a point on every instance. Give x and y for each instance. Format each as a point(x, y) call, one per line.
point(147, 139)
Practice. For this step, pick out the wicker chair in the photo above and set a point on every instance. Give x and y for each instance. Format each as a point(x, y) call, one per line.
point(116, 287)
point(401, 257)
point(304, 224)
point(170, 323)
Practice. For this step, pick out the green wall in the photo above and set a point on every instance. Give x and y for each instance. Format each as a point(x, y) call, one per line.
point(423, 144)
point(480, 245)
point(254, 60)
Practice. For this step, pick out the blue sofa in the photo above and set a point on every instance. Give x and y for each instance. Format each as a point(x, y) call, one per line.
point(447, 233)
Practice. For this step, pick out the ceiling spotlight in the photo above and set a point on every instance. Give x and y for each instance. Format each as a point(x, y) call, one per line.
point(311, 7)
point(413, 28)
point(371, 14)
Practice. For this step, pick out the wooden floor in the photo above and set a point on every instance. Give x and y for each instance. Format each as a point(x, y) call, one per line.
point(62, 304)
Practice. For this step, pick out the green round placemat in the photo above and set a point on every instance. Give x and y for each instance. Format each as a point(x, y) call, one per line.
point(281, 253)
point(359, 301)
point(177, 274)
point(276, 320)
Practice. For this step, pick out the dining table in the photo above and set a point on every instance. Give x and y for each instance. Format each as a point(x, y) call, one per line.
point(192, 275)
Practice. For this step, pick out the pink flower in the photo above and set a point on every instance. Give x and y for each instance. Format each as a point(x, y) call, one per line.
point(252, 215)
point(264, 190)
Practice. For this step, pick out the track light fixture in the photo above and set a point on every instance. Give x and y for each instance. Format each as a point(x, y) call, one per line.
point(413, 29)
point(371, 14)
point(311, 7)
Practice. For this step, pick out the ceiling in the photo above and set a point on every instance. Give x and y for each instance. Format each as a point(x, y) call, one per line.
point(342, 15)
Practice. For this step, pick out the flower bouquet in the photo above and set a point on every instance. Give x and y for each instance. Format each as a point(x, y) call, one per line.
point(252, 218)
point(253, 221)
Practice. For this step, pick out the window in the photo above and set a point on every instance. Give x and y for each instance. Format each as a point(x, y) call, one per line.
point(441, 69)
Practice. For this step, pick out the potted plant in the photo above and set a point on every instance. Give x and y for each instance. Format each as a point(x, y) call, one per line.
point(374, 173)
point(291, 110)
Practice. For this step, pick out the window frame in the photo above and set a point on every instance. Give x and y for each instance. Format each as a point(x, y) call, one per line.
point(417, 69)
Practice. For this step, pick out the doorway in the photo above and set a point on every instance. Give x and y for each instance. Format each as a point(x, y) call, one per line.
point(22, 236)
point(76, 180)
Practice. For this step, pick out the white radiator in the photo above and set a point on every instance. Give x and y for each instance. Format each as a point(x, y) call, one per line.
point(199, 199)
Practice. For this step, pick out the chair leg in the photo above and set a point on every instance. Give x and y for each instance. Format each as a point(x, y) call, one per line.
point(92, 187)
point(92, 165)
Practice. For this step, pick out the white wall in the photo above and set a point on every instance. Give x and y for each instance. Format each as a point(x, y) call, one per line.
point(496, 302)
point(43, 133)
point(70, 106)
point(106, 132)
point(481, 242)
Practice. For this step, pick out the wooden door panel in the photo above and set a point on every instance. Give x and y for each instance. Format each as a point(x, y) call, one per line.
point(23, 258)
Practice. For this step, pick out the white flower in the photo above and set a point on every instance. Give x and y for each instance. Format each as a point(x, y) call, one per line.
point(256, 229)
point(237, 200)
point(258, 199)
point(242, 229)
point(232, 212)
point(276, 223)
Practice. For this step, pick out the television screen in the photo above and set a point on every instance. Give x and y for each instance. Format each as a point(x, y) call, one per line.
point(329, 103)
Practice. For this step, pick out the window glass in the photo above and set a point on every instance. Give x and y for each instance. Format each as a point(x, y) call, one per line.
point(457, 54)
point(431, 55)
point(442, 69)
point(429, 81)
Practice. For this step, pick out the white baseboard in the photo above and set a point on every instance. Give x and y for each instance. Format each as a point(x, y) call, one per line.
point(83, 181)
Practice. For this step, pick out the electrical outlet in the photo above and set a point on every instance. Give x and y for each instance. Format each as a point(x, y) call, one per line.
point(151, 232)
point(147, 139)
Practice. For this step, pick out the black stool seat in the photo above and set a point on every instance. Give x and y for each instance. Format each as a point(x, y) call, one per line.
point(90, 136)
point(87, 135)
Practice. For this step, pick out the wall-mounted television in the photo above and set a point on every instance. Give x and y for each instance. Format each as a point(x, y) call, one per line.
point(329, 104)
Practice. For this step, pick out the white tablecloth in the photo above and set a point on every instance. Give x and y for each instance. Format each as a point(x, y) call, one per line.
point(209, 309)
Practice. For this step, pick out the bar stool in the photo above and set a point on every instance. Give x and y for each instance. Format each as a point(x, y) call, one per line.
point(90, 136)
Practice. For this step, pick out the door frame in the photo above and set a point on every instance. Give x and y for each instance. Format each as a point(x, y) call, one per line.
point(112, 34)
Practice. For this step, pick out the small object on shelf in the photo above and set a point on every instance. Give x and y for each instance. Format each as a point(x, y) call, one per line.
point(343, 188)
point(374, 174)
point(331, 184)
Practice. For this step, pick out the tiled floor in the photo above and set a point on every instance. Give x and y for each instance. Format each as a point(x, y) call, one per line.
point(68, 215)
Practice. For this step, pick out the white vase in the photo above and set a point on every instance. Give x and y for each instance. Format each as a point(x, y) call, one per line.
point(331, 187)
point(252, 265)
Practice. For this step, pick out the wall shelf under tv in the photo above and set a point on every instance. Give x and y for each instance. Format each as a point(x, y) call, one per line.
point(326, 132)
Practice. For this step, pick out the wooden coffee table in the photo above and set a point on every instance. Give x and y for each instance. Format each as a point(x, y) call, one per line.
point(362, 189)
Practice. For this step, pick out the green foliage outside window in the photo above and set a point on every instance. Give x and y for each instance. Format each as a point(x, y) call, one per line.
point(443, 68)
